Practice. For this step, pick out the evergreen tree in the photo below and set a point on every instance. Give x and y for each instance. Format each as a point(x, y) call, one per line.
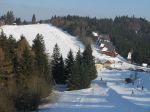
point(75, 77)
point(24, 22)
point(41, 58)
point(74, 80)
point(55, 62)
point(85, 80)
point(27, 62)
point(61, 71)
point(39, 49)
point(10, 18)
point(58, 66)
point(18, 21)
point(69, 61)
point(79, 57)
point(88, 59)
point(33, 19)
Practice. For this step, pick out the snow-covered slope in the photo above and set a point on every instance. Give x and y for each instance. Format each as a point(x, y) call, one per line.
point(51, 34)
point(108, 95)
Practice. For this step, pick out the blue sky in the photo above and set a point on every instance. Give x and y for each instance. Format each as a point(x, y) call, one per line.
point(44, 9)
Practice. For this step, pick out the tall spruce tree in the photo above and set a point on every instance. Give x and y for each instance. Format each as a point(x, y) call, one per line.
point(75, 77)
point(74, 80)
point(88, 59)
point(27, 62)
point(57, 66)
point(41, 57)
point(84, 76)
point(39, 49)
point(69, 61)
point(61, 71)
point(55, 62)
point(10, 18)
point(33, 19)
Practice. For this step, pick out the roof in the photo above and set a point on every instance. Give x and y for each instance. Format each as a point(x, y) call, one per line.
point(109, 46)
point(105, 49)
point(102, 45)
point(95, 34)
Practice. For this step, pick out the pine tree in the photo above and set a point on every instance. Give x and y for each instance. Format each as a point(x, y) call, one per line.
point(10, 18)
point(68, 65)
point(22, 45)
point(55, 62)
point(61, 71)
point(41, 58)
point(18, 21)
point(58, 69)
point(39, 49)
point(79, 57)
point(84, 76)
point(74, 80)
point(33, 19)
point(27, 62)
point(88, 59)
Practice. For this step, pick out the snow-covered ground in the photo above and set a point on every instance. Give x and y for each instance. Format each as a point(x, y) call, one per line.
point(110, 94)
point(51, 34)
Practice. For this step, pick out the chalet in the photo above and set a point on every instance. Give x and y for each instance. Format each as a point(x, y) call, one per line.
point(2, 22)
point(108, 49)
point(100, 64)
point(107, 64)
point(105, 45)
point(99, 67)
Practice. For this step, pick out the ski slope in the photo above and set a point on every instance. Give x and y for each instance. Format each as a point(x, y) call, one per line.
point(51, 34)
point(110, 94)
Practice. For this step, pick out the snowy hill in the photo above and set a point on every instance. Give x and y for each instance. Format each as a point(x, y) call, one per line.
point(51, 34)
point(110, 94)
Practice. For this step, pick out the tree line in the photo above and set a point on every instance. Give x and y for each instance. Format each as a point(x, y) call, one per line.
point(10, 19)
point(127, 33)
point(28, 74)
